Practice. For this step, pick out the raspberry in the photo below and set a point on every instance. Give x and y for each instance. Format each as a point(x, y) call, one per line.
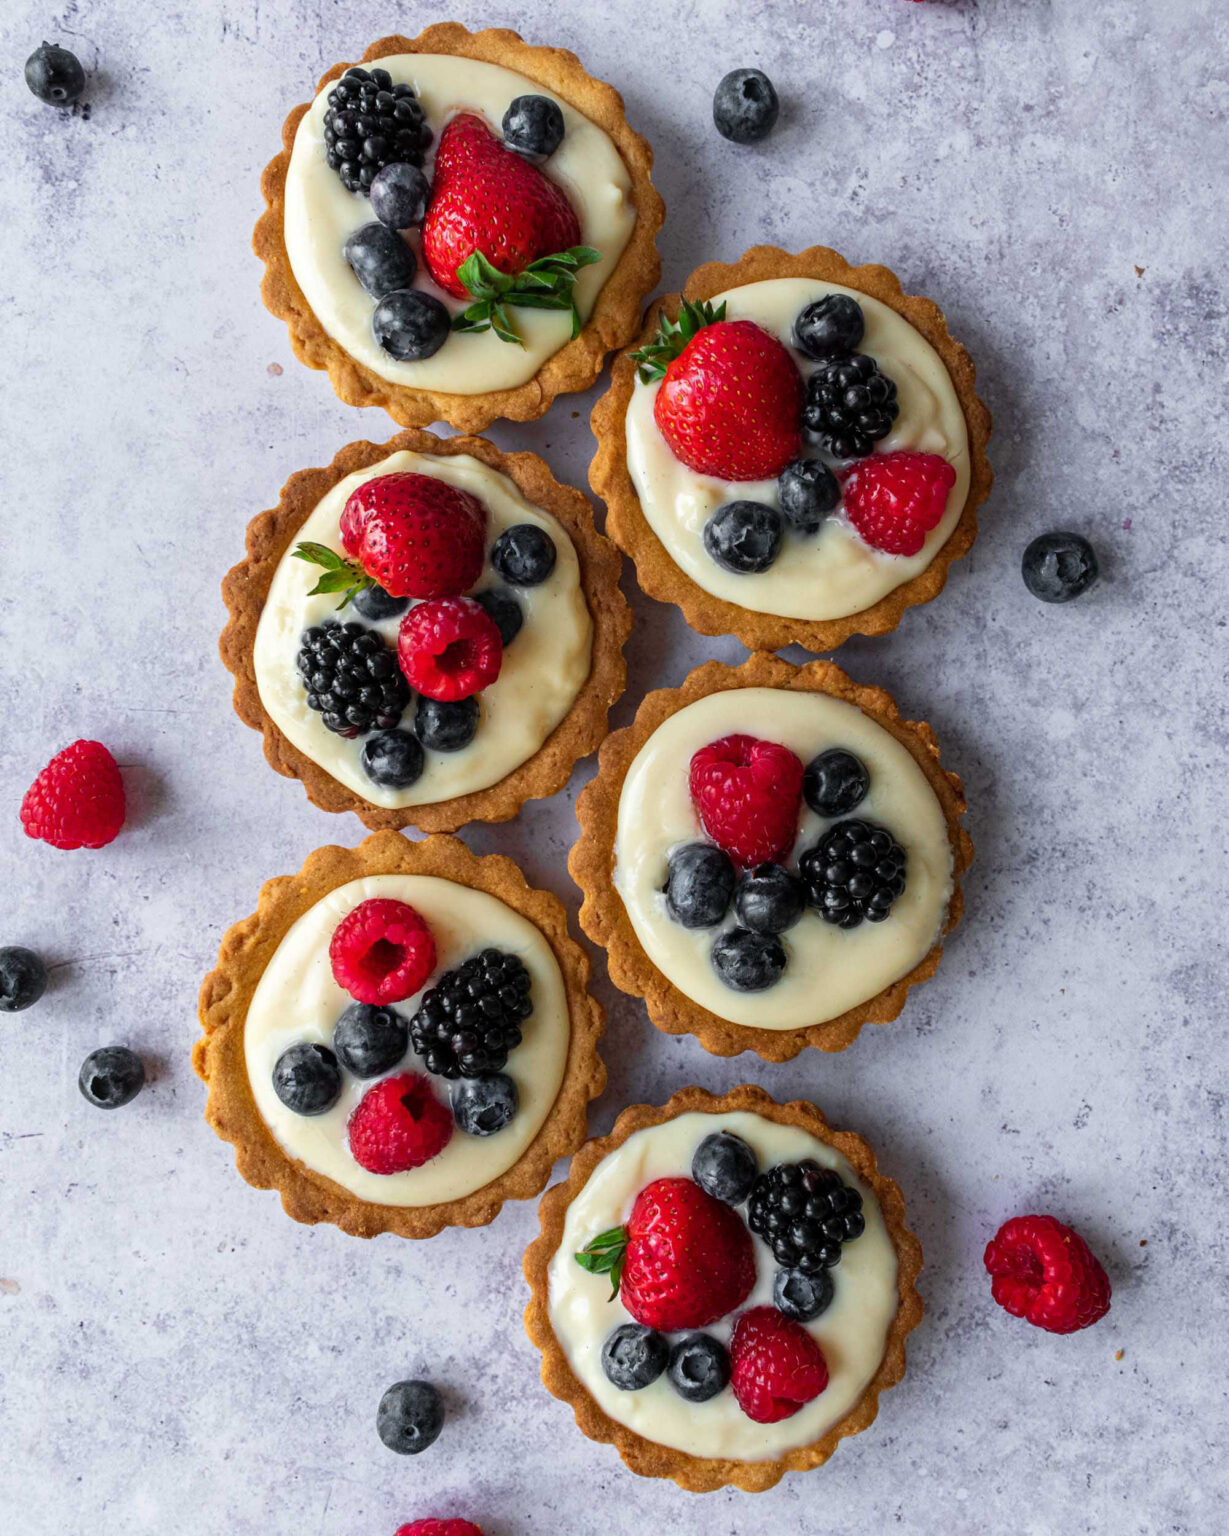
point(895, 499)
point(1044, 1272)
point(382, 952)
point(439, 1528)
point(776, 1367)
point(416, 535)
point(747, 793)
point(78, 799)
point(399, 1124)
point(450, 649)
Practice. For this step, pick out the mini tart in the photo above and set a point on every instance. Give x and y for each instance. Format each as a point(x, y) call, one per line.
point(660, 574)
point(649, 1457)
point(605, 918)
point(229, 997)
point(272, 535)
point(615, 313)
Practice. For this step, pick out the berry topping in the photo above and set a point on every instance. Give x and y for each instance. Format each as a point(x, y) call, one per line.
point(801, 1296)
point(393, 759)
point(1046, 1273)
point(307, 1078)
point(78, 799)
point(398, 1125)
point(399, 195)
point(745, 106)
point(850, 405)
point(408, 1420)
point(450, 649)
point(533, 127)
point(410, 325)
point(855, 871)
point(699, 885)
point(23, 978)
point(481, 1106)
point(748, 962)
point(699, 1367)
point(744, 536)
point(835, 783)
point(380, 259)
point(376, 605)
point(111, 1077)
point(724, 1166)
point(439, 1528)
point(634, 1357)
point(895, 499)
point(831, 327)
point(504, 608)
point(55, 75)
point(746, 793)
point(370, 1040)
point(804, 1212)
point(524, 555)
point(446, 727)
point(351, 677)
point(683, 1260)
point(1059, 566)
point(769, 899)
point(776, 1367)
point(807, 491)
point(470, 1021)
point(371, 123)
point(416, 535)
point(382, 952)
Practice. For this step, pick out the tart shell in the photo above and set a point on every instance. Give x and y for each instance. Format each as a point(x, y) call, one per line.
point(272, 533)
point(658, 573)
point(246, 950)
point(575, 365)
point(649, 1458)
point(604, 917)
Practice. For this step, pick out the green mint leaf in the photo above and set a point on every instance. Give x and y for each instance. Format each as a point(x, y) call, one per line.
point(319, 554)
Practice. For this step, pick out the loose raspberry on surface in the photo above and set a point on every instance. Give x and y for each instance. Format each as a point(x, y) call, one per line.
point(439, 1528)
point(450, 649)
point(776, 1367)
point(746, 793)
point(1046, 1273)
point(382, 952)
point(398, 1125)
point(895, 499)
point(78, 799)
point(415, 535)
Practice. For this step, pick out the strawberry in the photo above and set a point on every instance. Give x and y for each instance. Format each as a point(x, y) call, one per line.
point(746, 793)
point(683, 1260)
point(776, 1367)
point(895, 499)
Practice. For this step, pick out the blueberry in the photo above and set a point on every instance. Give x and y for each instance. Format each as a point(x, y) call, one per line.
point(410, 1417)
point(769, 899)
point(111, 1077)
point(802, 1296)
point(1059, 566)
point(503, 607)
point(748, 962)
point(307, 1078)
point(634, 1357)
point(699, 884)
point(835, 782)
point(745, 106)
point(533, 126)
point(524, 555)
point(399, 196)
point(445, 727)
point(23, 978)
point(393, 759)
point(375, 603)
point(410, 325)
point(725, 1167)
point(370, 1040)
point(380, 259)
point(55, 75)
point(483, 1105)
point(744, 536)
point(807, 491)
point(831, 327)
point(699, 1367)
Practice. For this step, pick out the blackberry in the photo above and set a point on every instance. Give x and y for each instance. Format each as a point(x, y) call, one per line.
point(849, 406)
point(470, 1021)
point(371, 123)
point(804, 1213)
point(352, 678)
point(855, 871)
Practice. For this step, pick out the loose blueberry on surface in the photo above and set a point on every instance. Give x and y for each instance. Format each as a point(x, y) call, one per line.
point(524, 555)
point(699, 1367)
point(393, 759)
point(503, 607)
point(744, 536)
point(55, 75)
point(835, 782)
point(745, 106)
point(376, 604)
point(23, 978)
point(748, 962)
point(533, 126)
point(370, 1040)
point(855, 871)
point(634, 1357)
point(481, 1106)
point(380, 259)
point(801, 1296)
point(699, 885)
point(410, 1417)
point(769, 899)
point(831, 327)
point(724, 1166)
point(111, 1077)
point(1058, 567)
point(410, 325)
point(399, 196)
point(446, 727)
point(807, 491)
point(307, 1078)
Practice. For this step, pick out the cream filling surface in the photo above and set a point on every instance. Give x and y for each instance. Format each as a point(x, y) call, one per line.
point(829, 969)
point(832, 573)
point(320, 214)
point(297, 1000)
point(543, 670)
point(851, 1333)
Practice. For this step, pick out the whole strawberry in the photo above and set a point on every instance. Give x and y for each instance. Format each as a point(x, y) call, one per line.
point(776, 1367)
point(78, 799)
point(683, 1260)
point(416, 535)
point(747, 793)
point(895, 499)
point(1046, 1273)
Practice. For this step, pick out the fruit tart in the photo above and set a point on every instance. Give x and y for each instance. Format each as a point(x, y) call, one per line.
point(400, 1038)
point(770, 856)
point(461, 227)
point(793, 451)
point(723, 1288)
point(427, 632)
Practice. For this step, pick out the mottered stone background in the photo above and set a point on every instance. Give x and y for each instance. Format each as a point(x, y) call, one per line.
point(177, 1354)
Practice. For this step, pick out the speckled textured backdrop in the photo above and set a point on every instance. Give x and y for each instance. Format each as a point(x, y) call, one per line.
point(178, 1355)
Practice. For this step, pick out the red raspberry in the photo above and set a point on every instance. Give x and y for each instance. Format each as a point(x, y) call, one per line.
point(776, 1367)
point(746, 793)
point(895, 499)
point(382, 952)
point(450, 649)
point(1046, 1273)
point(416, 535)
point(78, 799)
point(399, 1124)
point(439, 1528)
